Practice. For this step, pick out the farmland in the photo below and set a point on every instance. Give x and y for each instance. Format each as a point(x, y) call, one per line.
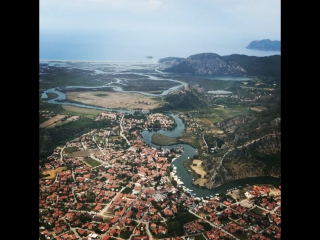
point(51, 121)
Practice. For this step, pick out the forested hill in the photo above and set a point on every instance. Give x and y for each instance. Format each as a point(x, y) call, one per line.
point(188, 98)
point(233, 65)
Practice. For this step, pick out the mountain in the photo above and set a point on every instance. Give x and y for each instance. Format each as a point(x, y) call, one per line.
point(234, 65)
point(265, 45)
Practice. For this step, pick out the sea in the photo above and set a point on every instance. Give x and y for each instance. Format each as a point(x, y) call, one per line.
point(124, 56)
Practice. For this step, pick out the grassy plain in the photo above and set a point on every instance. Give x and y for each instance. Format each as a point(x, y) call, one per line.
point(117, 100)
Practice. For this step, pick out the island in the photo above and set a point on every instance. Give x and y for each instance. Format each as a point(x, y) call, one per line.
point(265, 45)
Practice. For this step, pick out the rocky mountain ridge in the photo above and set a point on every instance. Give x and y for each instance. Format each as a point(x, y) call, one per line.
point(233, 65)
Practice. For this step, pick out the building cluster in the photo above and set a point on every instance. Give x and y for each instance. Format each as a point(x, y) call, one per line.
point(128, 193)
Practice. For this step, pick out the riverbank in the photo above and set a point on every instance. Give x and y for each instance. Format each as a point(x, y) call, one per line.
point(186, 177)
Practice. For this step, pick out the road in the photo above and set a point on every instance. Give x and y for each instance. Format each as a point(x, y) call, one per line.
point(101, 161)
point(98, 146)
point(122, 131)
point(214, 225)
point(111, 201)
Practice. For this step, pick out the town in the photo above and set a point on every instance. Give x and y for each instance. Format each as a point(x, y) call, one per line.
point(109, 184)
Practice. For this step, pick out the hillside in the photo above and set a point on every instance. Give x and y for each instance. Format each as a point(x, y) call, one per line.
point(233, 65)
point(252, 147)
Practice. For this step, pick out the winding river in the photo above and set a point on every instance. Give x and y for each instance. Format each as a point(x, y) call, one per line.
point(189, 151)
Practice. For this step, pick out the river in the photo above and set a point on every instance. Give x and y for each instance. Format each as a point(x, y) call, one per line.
point(189, 151)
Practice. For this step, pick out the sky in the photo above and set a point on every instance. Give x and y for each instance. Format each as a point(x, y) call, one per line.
point(130, 30)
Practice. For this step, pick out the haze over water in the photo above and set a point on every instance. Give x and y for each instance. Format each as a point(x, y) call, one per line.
point(119, 53)
point(130, 30)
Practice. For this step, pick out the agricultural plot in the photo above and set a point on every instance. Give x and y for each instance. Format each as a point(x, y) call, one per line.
point(51, 121)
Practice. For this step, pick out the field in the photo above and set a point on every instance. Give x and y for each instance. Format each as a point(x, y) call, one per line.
point(162, 140)
point(51, 121)
point(72, 110)
point(91, 162)
point(259, 108)
point(53, 172)
point(117, 100)
point(199, 168)
point(70, 149)
point(81, 153)
point(200, 181)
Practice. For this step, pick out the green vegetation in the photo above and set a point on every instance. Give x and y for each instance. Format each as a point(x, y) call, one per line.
point(127, 190)
point(55, 108)
point(257, 66)
point(70, 149)
point(213, 141)
point(101, 94)
point(175, 225)
point(199, 237)
point(162, 140)
point(257, 210)
point(125, 234)
point(50, 95)
point(190, 100)
point(254, 66)
point(225, 220)
point(56, 76)
point(239, 234)
point(91, 161)
point(49, 138)
point(92, 113)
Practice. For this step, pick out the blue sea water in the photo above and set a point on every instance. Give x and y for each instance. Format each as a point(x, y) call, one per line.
point(53, 51)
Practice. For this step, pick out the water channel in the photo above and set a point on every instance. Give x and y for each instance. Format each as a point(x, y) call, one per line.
point(189, 151)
